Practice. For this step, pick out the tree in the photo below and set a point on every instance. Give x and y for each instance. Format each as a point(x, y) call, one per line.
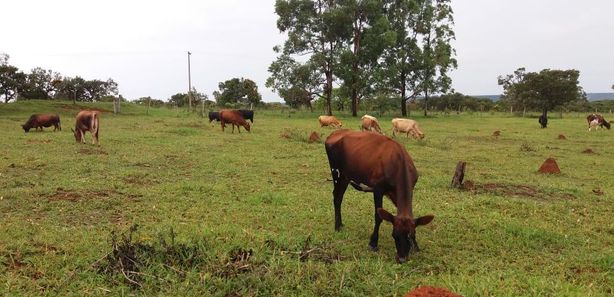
point(41, 84)
point(420, 58)
point(237, 90)
point(437, 53)
point(370, 35)
point(298, 84)
point(544, 90)
point(11, 81)
point(317, 29)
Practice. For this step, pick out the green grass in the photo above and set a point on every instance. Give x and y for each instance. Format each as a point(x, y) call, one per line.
point(203, 199)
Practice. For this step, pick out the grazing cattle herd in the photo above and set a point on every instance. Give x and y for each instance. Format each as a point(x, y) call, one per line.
point(367, 160)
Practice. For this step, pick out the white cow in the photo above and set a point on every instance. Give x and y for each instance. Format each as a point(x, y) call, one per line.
point(406, 126)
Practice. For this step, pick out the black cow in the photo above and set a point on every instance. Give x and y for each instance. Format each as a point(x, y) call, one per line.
point(247, 114)
point(543, 120)
point(214, 115)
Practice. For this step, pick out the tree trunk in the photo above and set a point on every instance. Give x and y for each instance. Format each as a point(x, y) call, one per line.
point(426, 101)
point(403, 95)
point(459, 175)
point(328, 92)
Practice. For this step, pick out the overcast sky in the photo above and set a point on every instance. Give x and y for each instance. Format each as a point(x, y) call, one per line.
point(143, 45)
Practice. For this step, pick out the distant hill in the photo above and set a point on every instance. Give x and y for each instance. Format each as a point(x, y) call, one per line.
point(591, 96)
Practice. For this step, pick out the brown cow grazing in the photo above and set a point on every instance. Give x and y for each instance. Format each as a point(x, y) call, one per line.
point(406, 126)
point(87, 120)
point(329, 121)
point(375, 163)
point(39, 121)
point(596, 119)
point(370, 123)
point(233, 117)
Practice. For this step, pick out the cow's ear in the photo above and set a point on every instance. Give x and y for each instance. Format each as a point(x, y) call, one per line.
point(386, 216)
point(425, 220)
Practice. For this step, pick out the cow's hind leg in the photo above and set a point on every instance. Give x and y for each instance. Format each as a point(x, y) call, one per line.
point(340, 186)
point(378, 202)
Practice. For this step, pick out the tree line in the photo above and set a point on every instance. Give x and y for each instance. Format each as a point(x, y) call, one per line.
point(369, 48)
point(42, 83)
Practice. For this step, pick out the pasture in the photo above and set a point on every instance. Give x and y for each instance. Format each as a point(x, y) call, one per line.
point(251, 214)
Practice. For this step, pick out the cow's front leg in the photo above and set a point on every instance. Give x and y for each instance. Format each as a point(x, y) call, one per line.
point(340, 186)
point(414, 244)
point(378, 202)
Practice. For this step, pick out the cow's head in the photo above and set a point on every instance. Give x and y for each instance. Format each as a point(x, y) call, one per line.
point(26, 128)
point(404, 231)
point(77, 135)
point(247, 126)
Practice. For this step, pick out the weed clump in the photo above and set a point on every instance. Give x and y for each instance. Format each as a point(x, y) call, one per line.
point(527, 147)
point(129, 257)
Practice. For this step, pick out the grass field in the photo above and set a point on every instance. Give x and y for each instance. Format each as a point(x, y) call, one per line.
point(251, 214)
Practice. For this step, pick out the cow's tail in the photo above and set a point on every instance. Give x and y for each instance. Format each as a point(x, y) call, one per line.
point(94, 127)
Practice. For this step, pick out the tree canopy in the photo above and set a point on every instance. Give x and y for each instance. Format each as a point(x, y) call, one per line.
point(237, 91)
point(544, 90)
point(370, 48)
point(47, 84)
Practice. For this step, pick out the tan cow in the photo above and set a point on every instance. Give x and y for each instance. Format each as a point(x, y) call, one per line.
point(370, 123)
point(329, 121)
point(406, 126)
point(87, 120)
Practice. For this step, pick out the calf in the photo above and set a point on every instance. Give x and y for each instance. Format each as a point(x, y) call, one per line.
point(235, 118)
point(87, 120)
point(370, 123)
point(329, 121)
point(375, 163)
point(38, 121)
point(407, 126)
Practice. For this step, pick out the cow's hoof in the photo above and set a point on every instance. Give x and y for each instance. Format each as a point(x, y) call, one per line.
point(373, 248)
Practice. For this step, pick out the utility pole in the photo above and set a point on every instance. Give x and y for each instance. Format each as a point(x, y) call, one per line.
point(189, 85)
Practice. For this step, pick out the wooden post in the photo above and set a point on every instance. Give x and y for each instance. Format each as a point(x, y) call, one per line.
point(459, 175)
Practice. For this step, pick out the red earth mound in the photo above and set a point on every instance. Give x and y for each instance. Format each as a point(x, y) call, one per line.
point(314, 137)
point(496, 133)
point(549, 167)
point(562, 137)
point(426, 291)
point(588, 151)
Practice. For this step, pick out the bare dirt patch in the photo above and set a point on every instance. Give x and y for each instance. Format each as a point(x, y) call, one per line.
point(75, 196)
point(14, 261)
point(549, 167)
point(45, 141)
point(514, 190)
point(92, 151)
point(427, 291)
point(561, 137)
point(497, 133)
point(139, 180)
point(588, 151)
point(598, 192)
